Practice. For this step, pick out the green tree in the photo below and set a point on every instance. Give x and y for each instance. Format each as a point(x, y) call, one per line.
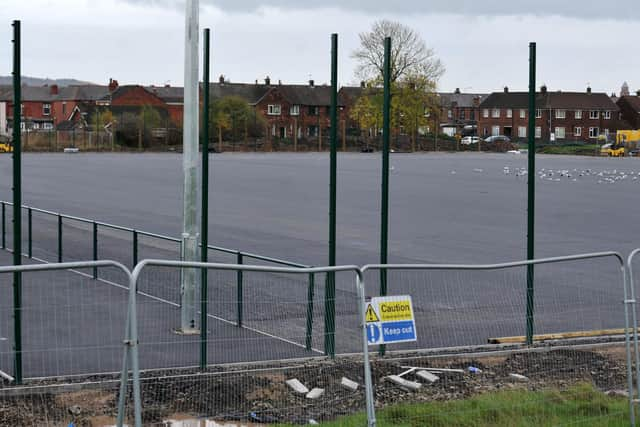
point(234, 118)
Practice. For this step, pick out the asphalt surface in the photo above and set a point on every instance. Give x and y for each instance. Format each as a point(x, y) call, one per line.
point(444, 208)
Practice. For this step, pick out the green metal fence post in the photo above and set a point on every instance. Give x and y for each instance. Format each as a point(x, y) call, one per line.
point(384, 203)
point(135, 248)
point(330, 291)
point(4, 231)
point(239, 279)
point(17, 204)
point(95, 248)
point(531, 189)
point(204, 288)
point(29, 232)
point(59, 238)
point(310, 292)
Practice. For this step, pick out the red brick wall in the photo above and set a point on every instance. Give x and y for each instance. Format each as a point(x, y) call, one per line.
point(548, 123)
point(135, 96)
point(286, 120)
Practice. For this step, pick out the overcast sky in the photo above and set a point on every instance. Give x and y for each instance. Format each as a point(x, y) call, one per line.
point(483, 44)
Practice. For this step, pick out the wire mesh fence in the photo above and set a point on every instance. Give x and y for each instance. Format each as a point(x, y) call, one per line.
point(472, 322)
point(256, 341)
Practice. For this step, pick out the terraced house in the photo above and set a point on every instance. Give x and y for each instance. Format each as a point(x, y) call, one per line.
point(560, 116)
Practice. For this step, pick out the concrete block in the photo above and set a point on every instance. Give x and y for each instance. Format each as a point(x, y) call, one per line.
point(406, 384)
point(348, 384)
point(315, 393)
point(427, 376)
point(297, 386)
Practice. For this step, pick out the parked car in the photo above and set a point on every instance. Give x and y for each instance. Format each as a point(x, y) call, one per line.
point(468, 140)
point(497, 138)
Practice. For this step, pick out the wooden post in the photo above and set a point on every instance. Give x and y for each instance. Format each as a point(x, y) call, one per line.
point(344, 135)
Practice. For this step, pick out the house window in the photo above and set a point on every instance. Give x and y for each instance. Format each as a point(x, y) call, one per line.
point(594, 114)
point(273, 109)
point(47, 126)
point(578, 114)
point(273, 130)
point(22, 109)
point(522, 131)
point(35, 125)
point(538, 113)
point(23, 125)
point(294, 110)
point(485, 131)
point(461, 114)
point(472, 115)
point(495, 130)
point(606, 133)
point(509, 113)
point(485, 113)
point(561, 114)
point(577, 131)
point(312, 130)
point(523, 113)
point(314, 110)
point(607, 115)
point(560, 132)
point(495, 113)
point(46, 109)
point(538, 132)
point(594, 132)
point(449, 114)
point(64, 109)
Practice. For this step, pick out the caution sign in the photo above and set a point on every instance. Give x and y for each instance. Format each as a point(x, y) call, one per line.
point(370, 315)
point(396, 310)
point(390, 320)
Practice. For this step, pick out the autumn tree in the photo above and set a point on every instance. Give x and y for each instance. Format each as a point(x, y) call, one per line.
point(415, 71)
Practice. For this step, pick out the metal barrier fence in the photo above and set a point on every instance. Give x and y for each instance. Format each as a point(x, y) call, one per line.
point(466, 306)
point(234, 369)
point(71, 327)
point(632, 316)
point(57, 330)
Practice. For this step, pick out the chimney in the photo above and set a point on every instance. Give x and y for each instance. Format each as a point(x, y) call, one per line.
point(543, 89)
point(167, 85)
point(267, 81)
point(54, 89)
point(363, 84)
point(311, 83)
point(113, 85)
point(279, 82)
point(457, 91)
point(221, 79)
point(476, 101)
point(588, 89)
point(506, 89)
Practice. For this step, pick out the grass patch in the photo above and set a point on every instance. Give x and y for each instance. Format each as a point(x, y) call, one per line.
point(581, 405)
point(576, 150)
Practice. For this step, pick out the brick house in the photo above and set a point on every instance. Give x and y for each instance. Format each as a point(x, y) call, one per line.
point(290, 111)
point(561, 116)
point(459, 112)
point(46, 107)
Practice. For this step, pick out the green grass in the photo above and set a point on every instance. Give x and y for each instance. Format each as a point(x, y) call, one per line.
point(581, 405)
point(580, 150)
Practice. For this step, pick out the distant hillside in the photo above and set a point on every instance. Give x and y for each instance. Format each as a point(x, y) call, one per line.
point(36, 81)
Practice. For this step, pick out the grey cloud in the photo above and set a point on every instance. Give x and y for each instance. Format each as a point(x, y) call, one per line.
point(583, 9)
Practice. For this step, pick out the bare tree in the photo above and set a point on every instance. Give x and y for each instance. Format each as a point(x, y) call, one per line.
point(409, 54)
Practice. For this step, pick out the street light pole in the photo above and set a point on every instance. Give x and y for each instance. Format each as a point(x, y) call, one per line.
point(190, 168)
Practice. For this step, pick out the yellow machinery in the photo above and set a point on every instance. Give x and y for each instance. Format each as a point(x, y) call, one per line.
point(5, 147)
point(612, 150)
